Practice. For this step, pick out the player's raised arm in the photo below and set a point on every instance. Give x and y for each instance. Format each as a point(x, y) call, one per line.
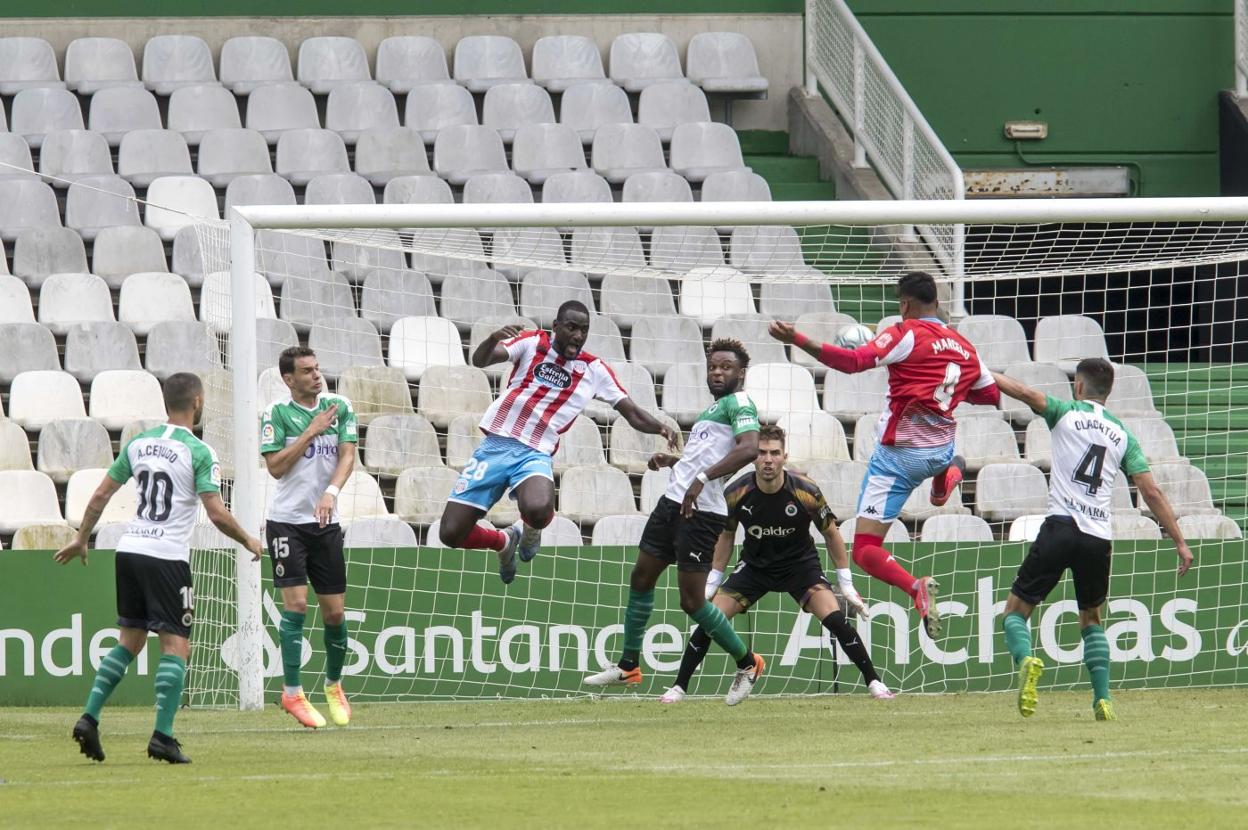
point(1036, 400)
point(642, 421)
point(1157, 502)
point(849, 361)
point(95, 509)
point(743, 452)
point(491, 350)
point(225, 522)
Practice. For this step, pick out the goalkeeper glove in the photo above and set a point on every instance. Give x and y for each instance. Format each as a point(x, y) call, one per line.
point(713, 580)
point(845, 581)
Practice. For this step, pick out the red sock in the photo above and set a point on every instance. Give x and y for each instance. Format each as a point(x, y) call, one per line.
point(871, 556)
point(484, 538)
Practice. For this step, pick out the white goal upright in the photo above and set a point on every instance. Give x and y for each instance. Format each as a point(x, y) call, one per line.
point(394, 298)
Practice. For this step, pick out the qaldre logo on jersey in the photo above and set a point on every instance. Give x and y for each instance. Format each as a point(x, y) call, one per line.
point(552, 375)
point(769, 532)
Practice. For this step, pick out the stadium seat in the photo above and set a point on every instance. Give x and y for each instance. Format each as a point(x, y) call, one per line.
point(273, 109)
point(27, 63)
point(410, 61)
point(725, 63)
point(636, 381)
point(432, 108)
point(631, 450)
point(998, 338)
point(580, 445)
point(780, 389)
point(68, 156)
point(37, 398)
point(342, 189)
point(790, 300)
point(462, 151)
point(384, 154)
point(813, 436)
point(181, 346)
point(841, 482)
point(38, 111)
point(194, 110)
point(463, 436)
point(270, 387)
point(353, 108)
point(395, 442)
point(1004, 492)
point(953, 527)
point(41, 252)
point(709, 294)
point(1155, 438)
point(896, 532)
point(559, 61)
point(92, 348)
point(702, 149)
point(272, 338)
point(379, 532)
point(621, 150)
point(820, 326)
point(1025, 528)
point(361, 498)
point(325, 63)
point(1209, 527)
point(17, 162)
point(321, 296)
point(1132, 394)
point(588, 493)
point(653, 486)
point(578, 186)
point(497, 189)
point(542, 291)
point(485, 61)
point(486, 294)
point(420, 493)
point(1134, 527)
point(541, 150)
point(389, 294)
point(137, 427)
point(121, 251)
point(485, 327)
point(1067, 339)
point(284, 255)
point(509, 106)
point(627, 298)
point(153, 297)
point(1121, 497)
point(95, 63)
point(680, 249)
point(446, 252)
point(343, 342)
point(26, 204)
point(29, 497)
point(226, 155)
point(618, 530)
point(119, 397)
point(1038, 445)
point(685, 394)
point(108, 534)
point(250, 61)
point(175, 202)
point(255, 189)
point(419, 342)
point(1185, 486)
point(983, 441)
point(305, 154)
point(66, 300)
point(665, 105)
point(587, 106)
point(864, 436)
point(118, 110)
point(562, 532)
point(640, 59)
point(751, 330)
point(174, 61)
point(597, 250)
point(95, 204)
point(735, 186)
point(189, 258)
point(657, 186)
point(659, 342)
point(73, 444)
point(1044, 377)
point(604, 339)
point(14, 447)
point(766, 249)
point(15, 304)
point(146, 155)
point(26, 347)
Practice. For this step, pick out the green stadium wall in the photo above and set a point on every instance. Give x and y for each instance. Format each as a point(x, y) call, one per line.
point(538, 636)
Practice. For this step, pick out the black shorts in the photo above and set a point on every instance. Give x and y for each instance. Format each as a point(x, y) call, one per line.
point(154, 594)
point(1061, 545)
point(307, 553)
point(687, 543)
point(748, 584)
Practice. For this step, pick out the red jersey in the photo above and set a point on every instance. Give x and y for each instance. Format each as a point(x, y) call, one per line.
point(931, 369)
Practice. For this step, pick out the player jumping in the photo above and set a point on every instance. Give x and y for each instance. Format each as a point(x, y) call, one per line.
point(552, 382)
point(1089, 447)
point(931, 369)
point(778, 508)
point(687, 521)
point(174, 473)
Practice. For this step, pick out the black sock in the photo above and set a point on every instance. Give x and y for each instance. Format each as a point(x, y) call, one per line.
point(746, 661)
point(695, 653)
point(850, 644)
point(627, 663)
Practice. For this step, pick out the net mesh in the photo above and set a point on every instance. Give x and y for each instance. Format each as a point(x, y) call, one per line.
point(394, 317)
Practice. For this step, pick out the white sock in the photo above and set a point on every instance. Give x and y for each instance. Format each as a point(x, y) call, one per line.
point(293, 690)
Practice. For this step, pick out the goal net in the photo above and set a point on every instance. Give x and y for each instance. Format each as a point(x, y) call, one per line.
point(394, 299)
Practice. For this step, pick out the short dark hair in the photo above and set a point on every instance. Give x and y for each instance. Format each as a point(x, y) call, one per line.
point(1098, 376)
point(919, 286)
point(180, 390)
point(286, 360)
point(571, 305)
point(727, 344)
point(770, 432)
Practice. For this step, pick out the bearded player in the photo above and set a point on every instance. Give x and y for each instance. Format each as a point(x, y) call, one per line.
point(552, 381)
point(931, 369)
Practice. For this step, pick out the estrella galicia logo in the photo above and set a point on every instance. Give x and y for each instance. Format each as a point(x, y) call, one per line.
point(553, 375)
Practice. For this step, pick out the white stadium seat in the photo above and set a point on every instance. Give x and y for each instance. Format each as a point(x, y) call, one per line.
point(92, 348)
point(273, 109)
point(225, 155)
point(790, 300)
point(587, 106)
point(998, 338)
point(118, 110)
point(108, 534)
point(27, 63)
point(26, 204)
point(342, 189)
point(657, 343)
point(448, 391)
point(94, 63)
point(896, 532)
point(379, 532)
point(15, 304)
point(16, 159)
point(1209, 527)
point(600, 249)
point(725, 62)
point(320, 296)
point(121, 251)
point(250, 61)
point(100, 205)
point(65, 300)
point(955, 528)
point(813, 436)
point(395, 442)
point(1038, 445)
point(1044, 377)
point(328, 62)
point(578, 186)
point(26, 347)
point(119, 397)
point(146, 155)
point(484, 61)
point(343, 342)
point(38, 111)
point(408, 61)
point(766, 249)
point(665, 105)
point(39, 397)
point(686, 249)
point(254, 188)
point(580, 445)
point(751, 330)
point(420, 493)
point(304, 154)
point(559, 61)
point(621, 150)
point(14, 447)
point(1132, 526)
point(618, 530)
point(181, 346)
point(627, 298)
point(657, 186)
point(462, 151)
point(542, 291)
point(685, 394)
point(497, 189)
point(73, 444)
point(431, 108)
point(630, 450)
point(1004, 492)
point(419, 342)
point(375, 391)
point(636, 381)
point(588, 493)
point(1026, 528)
point(1185, 486)
point(283, 255)
point(507, 107)
point(194, 110)
point(153, 297)
point(67, 156)
point(353, 108)
point(780, 389)
point(1155, 438)
point(983, 441)
point(735, 186)
point(361, 498)
point(640, 59)
point(386, 153)
point(41, 252)
point(174, 202)
point(1132, 394)
point(1067, 339)
point(29, 497)
point(541, 150)
point(709, 294)
point(174, 61)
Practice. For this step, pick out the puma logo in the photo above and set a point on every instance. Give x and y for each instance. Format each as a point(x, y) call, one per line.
point(696, 557)
point(746, 509)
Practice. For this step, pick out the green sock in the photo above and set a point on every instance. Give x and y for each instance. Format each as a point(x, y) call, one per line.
point(640, 604)
point(291, 631)
point(714, 622)
point(1096, 658)
point(112, 670)
point(1017, 636)
point(169, 676)
point(335, 650)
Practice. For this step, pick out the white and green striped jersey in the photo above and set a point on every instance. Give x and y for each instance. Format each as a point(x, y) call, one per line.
point(1089, 447)
point(713, 436)
point(297, 492)
point(170, 467)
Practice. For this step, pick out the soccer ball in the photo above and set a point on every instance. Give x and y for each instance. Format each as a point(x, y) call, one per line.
point(851, 337)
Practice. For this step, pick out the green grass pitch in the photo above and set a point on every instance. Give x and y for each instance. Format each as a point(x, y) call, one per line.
point(1174, 758)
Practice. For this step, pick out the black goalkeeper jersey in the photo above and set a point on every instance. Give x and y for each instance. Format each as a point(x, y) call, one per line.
point(777, 525)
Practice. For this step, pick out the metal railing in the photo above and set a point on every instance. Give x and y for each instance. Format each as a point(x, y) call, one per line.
point(889, 132)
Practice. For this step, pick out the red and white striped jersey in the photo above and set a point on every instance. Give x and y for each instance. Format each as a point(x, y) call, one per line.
point(931, 369)
point(546, 392)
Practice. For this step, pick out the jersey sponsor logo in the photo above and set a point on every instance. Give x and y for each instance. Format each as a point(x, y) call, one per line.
point(553, 375)
point(146, 532)
point(883, 341)
point(320, 447)
point(825, 513)
point(948, 344)
point(759, 532)
point(268, 434)
point(790, 510)
point(279, 569)
point(186, 619)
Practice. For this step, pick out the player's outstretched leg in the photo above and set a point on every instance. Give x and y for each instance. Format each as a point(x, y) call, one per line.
point(112, 670)
point(944, 484)
point(851, 644)
point(1096, 658)
point(695, 653)
point(870, 554)
point(1018, 643)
